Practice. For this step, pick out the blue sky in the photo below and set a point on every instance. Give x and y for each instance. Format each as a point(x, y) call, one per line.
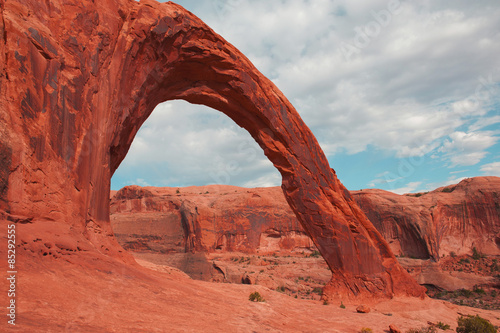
point(402, 95)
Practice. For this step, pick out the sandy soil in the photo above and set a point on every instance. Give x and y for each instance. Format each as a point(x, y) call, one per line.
point(87, 292)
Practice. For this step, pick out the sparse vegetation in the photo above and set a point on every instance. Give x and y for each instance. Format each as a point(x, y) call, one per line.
point(342, 306)
point(494, 266)
point(366, 330)
point(464, 261)
point(317, 290)
point(416, 195)
point(256, 297)
point(315, 254)
point(464, 292)
point(453, 254)
point(428, 329)
point(281, 289)
point(177, 191)
point(475, 324)
point(448, 189)
point(479, 290)
point(325, 302)
point(442, 326)
point(476, 254)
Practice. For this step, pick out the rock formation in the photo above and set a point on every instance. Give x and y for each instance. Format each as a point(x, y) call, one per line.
point(207, 219)
point(450, 219)
point(80, 77)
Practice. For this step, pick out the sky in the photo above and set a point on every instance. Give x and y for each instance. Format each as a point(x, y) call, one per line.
point(401, 95)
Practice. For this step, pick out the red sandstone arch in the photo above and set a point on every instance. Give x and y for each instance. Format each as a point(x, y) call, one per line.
point(81, 77)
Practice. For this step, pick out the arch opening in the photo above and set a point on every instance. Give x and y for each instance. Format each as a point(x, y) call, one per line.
point(181, 144)
point(96, 94)
point(197, 229)
point(192, 63)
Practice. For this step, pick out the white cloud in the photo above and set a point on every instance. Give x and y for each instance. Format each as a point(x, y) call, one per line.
point(450, 181)
point(384, 178)
point(410, 187)
point(427, 83)
point(468, 148)
point(182, 144)
point(491, 169)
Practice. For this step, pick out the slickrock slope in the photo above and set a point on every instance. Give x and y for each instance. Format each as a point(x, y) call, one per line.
point(80, 77)
point(455, 218)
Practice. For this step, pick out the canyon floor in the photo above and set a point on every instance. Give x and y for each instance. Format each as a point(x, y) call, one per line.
point(88, 292)
point(302, 275)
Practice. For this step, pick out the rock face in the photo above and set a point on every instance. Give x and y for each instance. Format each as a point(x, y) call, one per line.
point(207, 219)
point(80, 77)
point(454, 218)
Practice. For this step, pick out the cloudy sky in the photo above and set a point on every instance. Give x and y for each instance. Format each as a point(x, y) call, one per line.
point(401, 95)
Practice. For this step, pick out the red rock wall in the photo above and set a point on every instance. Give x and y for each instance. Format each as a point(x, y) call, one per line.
point(207, 219)
point(80, 77)
point(228, 218)
point(455, 218)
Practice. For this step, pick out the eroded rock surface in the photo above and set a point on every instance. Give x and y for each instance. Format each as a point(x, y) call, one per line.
point(453, 219)
point(80, 77)
point(207, 219)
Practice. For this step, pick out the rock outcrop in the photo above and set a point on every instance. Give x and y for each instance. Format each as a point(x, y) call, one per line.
point(452, 219)
point(80, 77)
point(207, 219)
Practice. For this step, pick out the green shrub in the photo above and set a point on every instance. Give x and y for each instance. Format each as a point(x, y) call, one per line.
point(453, 254)
point(325, 302)
point(494, 266)
point(317, 290)
point(366, 330)
point(315, 254)
point(281, 289)
point(447, 189)
point(474, 324)
point(256, 297)
point(479, 290)
point(342, 306)
point(476, 255)
point(428, 329)
point(442, 326)
point(464, 292)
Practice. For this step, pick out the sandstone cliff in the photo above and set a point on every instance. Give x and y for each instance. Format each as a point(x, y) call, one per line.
point(78, 80)
point(206, 219)
point(455, 219)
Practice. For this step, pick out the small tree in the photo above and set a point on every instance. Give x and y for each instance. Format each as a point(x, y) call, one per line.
point(475, 324)
point(256, 297)
point(476, 254)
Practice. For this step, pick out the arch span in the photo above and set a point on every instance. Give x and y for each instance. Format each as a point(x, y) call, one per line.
point(97, 82)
